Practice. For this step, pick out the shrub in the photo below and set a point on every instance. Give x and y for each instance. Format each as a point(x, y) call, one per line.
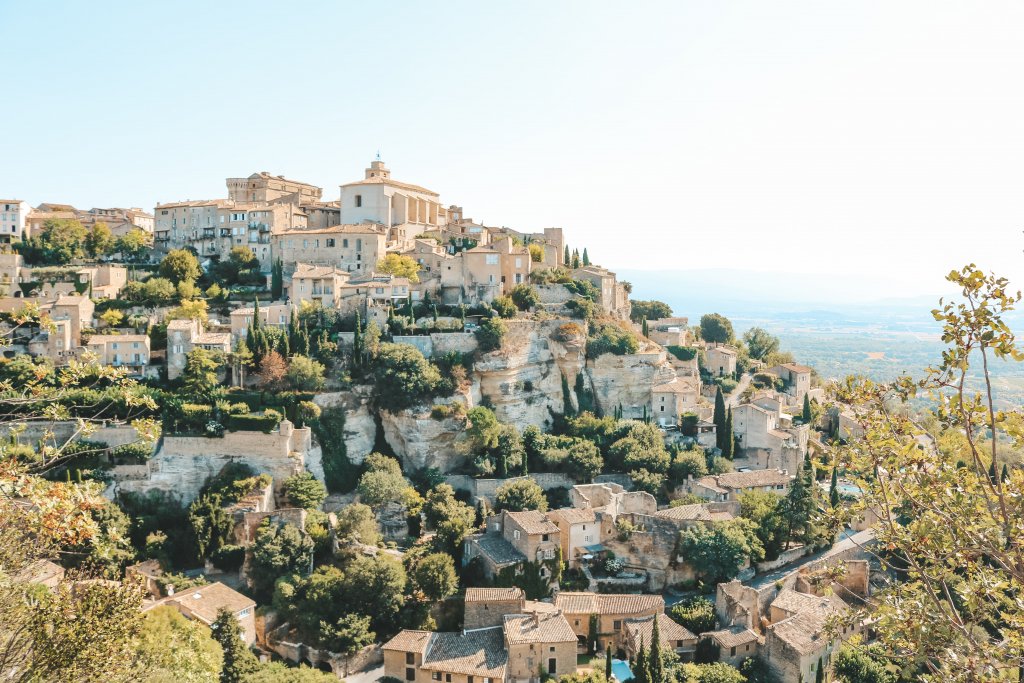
point(520, 495)
point(610, 338)
point(583, 288)
point(728, 384)
point(584, 309)
point(525, 296)
point(568, 332)
point(504, 306)
point(490, 334)
point(403, 376)
point(266, 422)
point(683, 352)
point(228, 558)
point(305, 491)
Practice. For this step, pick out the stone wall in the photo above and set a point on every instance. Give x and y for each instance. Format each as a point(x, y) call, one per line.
point(422, 342)
point(485, 488)
point(554, 294)
point(783, 559)
point(58, 433)
point(652, 550)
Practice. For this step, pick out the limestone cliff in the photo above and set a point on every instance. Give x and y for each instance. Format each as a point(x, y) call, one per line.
point(420, 441)
point(628, 380)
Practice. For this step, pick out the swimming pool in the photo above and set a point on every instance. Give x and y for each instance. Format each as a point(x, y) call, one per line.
point(621, 671)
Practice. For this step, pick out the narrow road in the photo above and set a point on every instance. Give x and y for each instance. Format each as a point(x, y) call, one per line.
point(733, 399)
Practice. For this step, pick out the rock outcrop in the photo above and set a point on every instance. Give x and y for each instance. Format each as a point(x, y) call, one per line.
point(420, 441)
point(628, 380)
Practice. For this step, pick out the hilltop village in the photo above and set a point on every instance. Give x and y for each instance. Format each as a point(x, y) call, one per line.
point(392, 442)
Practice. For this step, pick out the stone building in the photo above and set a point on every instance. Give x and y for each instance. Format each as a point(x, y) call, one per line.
point(720, 360)
point(353, 248)
point(317, 284)
point(539, 642)
point(13, 214)
point(732, 485)
point(204, 602)
point(640, 632)
point(486, 607)
point(121, 350)
point(185, 335)
point(611, 612)
point(671, 399)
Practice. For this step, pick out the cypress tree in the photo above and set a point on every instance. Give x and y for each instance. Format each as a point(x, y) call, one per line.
point(567, 409)
point(819, 676)
point(719, 419)
point(277, 279)
point(608, 662)
point(833, 489)
point(730, 442)
point(575, 258)
point(643, 329)
point(992, 472)
point(586, 258)
point(807, 409)
point(565, 256)
point(239, 661)
point(1005, 475)
point(357, 343)
point(655, 663)
point(641, 674)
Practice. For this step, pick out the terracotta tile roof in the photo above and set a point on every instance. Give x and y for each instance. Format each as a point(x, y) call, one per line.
point(668, 631)
point(279, 178)
point(538, 606)
point(309, 270)
point(802, 632)
point(205, 601)
point(575, 515)
point(796, 602)
point(686, 513)
point(609, 603)
point(356, 229)
point(494, 594)
point(797, 368)
point(533, 522)
point(734, 636)
point(679, 385)
point(539, 627)
point(743, 480)
point(474, 653)
point(498, 550)
point(409, 641)
point(107, 338)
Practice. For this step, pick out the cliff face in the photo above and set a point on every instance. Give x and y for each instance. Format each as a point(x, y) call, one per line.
point(523, 380)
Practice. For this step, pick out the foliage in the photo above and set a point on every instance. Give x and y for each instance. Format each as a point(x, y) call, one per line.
point(305, 491)
point(519, 495)
point(134, 245)
point(760, 343)
point(199, 378)
point(279, 549)
point(716, 328)
point(525, 296)
point(648, 310)
point(277, 672)
point(450, 518)
point(173, 648)
point(435, 576)
point(685, 464)
point(305, 374)
point(382, 482)
point(951, 528)
point(339, 472)
point(683, 352)
point(357, 524)
point(180, 265)
point(695, 614)
point(611, 338)
point(61, 241)
point(238, 660)
point(504, 306)
point(399, 266)
point(767, 511)
point(403, 377)
point(719, 551)
point(272, 370)
point(490, 333)
point(859, 664)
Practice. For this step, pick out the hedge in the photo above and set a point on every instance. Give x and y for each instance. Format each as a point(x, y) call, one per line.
point(254, 423)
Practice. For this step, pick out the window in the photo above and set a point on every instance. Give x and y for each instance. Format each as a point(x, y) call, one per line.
point(732, 652)
point(544, 537)
point(410, 674)
point(552, 665)
point(359, 200)
point(114, 346)
point(359, 244)
point(330, 242)
point(515, 534)
point(491, 259)
point(519, 262)
point(344, 243)
point(616, 625)
point(447, 678)
point(436, 675)
point(588, 538)
point(177, 348)
point(410, 658)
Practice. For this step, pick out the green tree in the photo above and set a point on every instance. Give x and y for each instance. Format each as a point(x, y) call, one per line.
point(716, 328)
point(382, 482)
point(278, 549)
point(403, 376)
point(575, 258)
point(719, 417)
point(482, 429)
point(801, 508)
point(655, 662)
point(760, 343)
point(586, 258)
point(277, 279)
point(860, 664)
point(62, 240)
point(305, 491)
point(199, 378)
point(400, 266)
point(504, 306)
point(519, 495)
point(695, 614)
point(806, 415)
point(173, 648)
point(238, 661)
point(305, 374)
point(276, 672)
point(99, 241)
point(718, 551)
point(490, 333)
point(767, 511)
point(648, 310)
point(435, 576)
point(833, 489)
point(449, 517)
point(357, 524)
point(349, 634)
point(180, 265)
point(134, 245)
point(566, 259)
point(525, 296)
point(608, 662)
point(211, 524)
point(728, 439)
point(642, 667)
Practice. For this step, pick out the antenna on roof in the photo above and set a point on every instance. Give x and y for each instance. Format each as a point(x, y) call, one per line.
point(378, 154)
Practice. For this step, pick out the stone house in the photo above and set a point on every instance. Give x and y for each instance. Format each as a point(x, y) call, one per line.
point(318, 284)
point(796, 642)
point(797, 379)
point(185, 335)
point(613, 298)
point(486, 607)
point(121, 350)
point(494, 269)
point(640, 632)
point(670, 400)
point(767, 437)
point(352, 248)
point(121, 221)
point(720, 360)
point(472, 656)
point(263, 187)
point(204, 602)
point(375, 292)
point(578, 529)
point(611, 611)
point(735, 643)
point(541, 642)
point(13, 215)
point(530, 532)
point(670, 331)
point(272, 314)
point(732, 485)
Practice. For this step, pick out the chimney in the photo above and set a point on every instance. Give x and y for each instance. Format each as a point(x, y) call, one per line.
point(536, 618)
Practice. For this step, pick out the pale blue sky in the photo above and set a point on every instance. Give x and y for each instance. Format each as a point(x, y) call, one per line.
point(806, 136)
